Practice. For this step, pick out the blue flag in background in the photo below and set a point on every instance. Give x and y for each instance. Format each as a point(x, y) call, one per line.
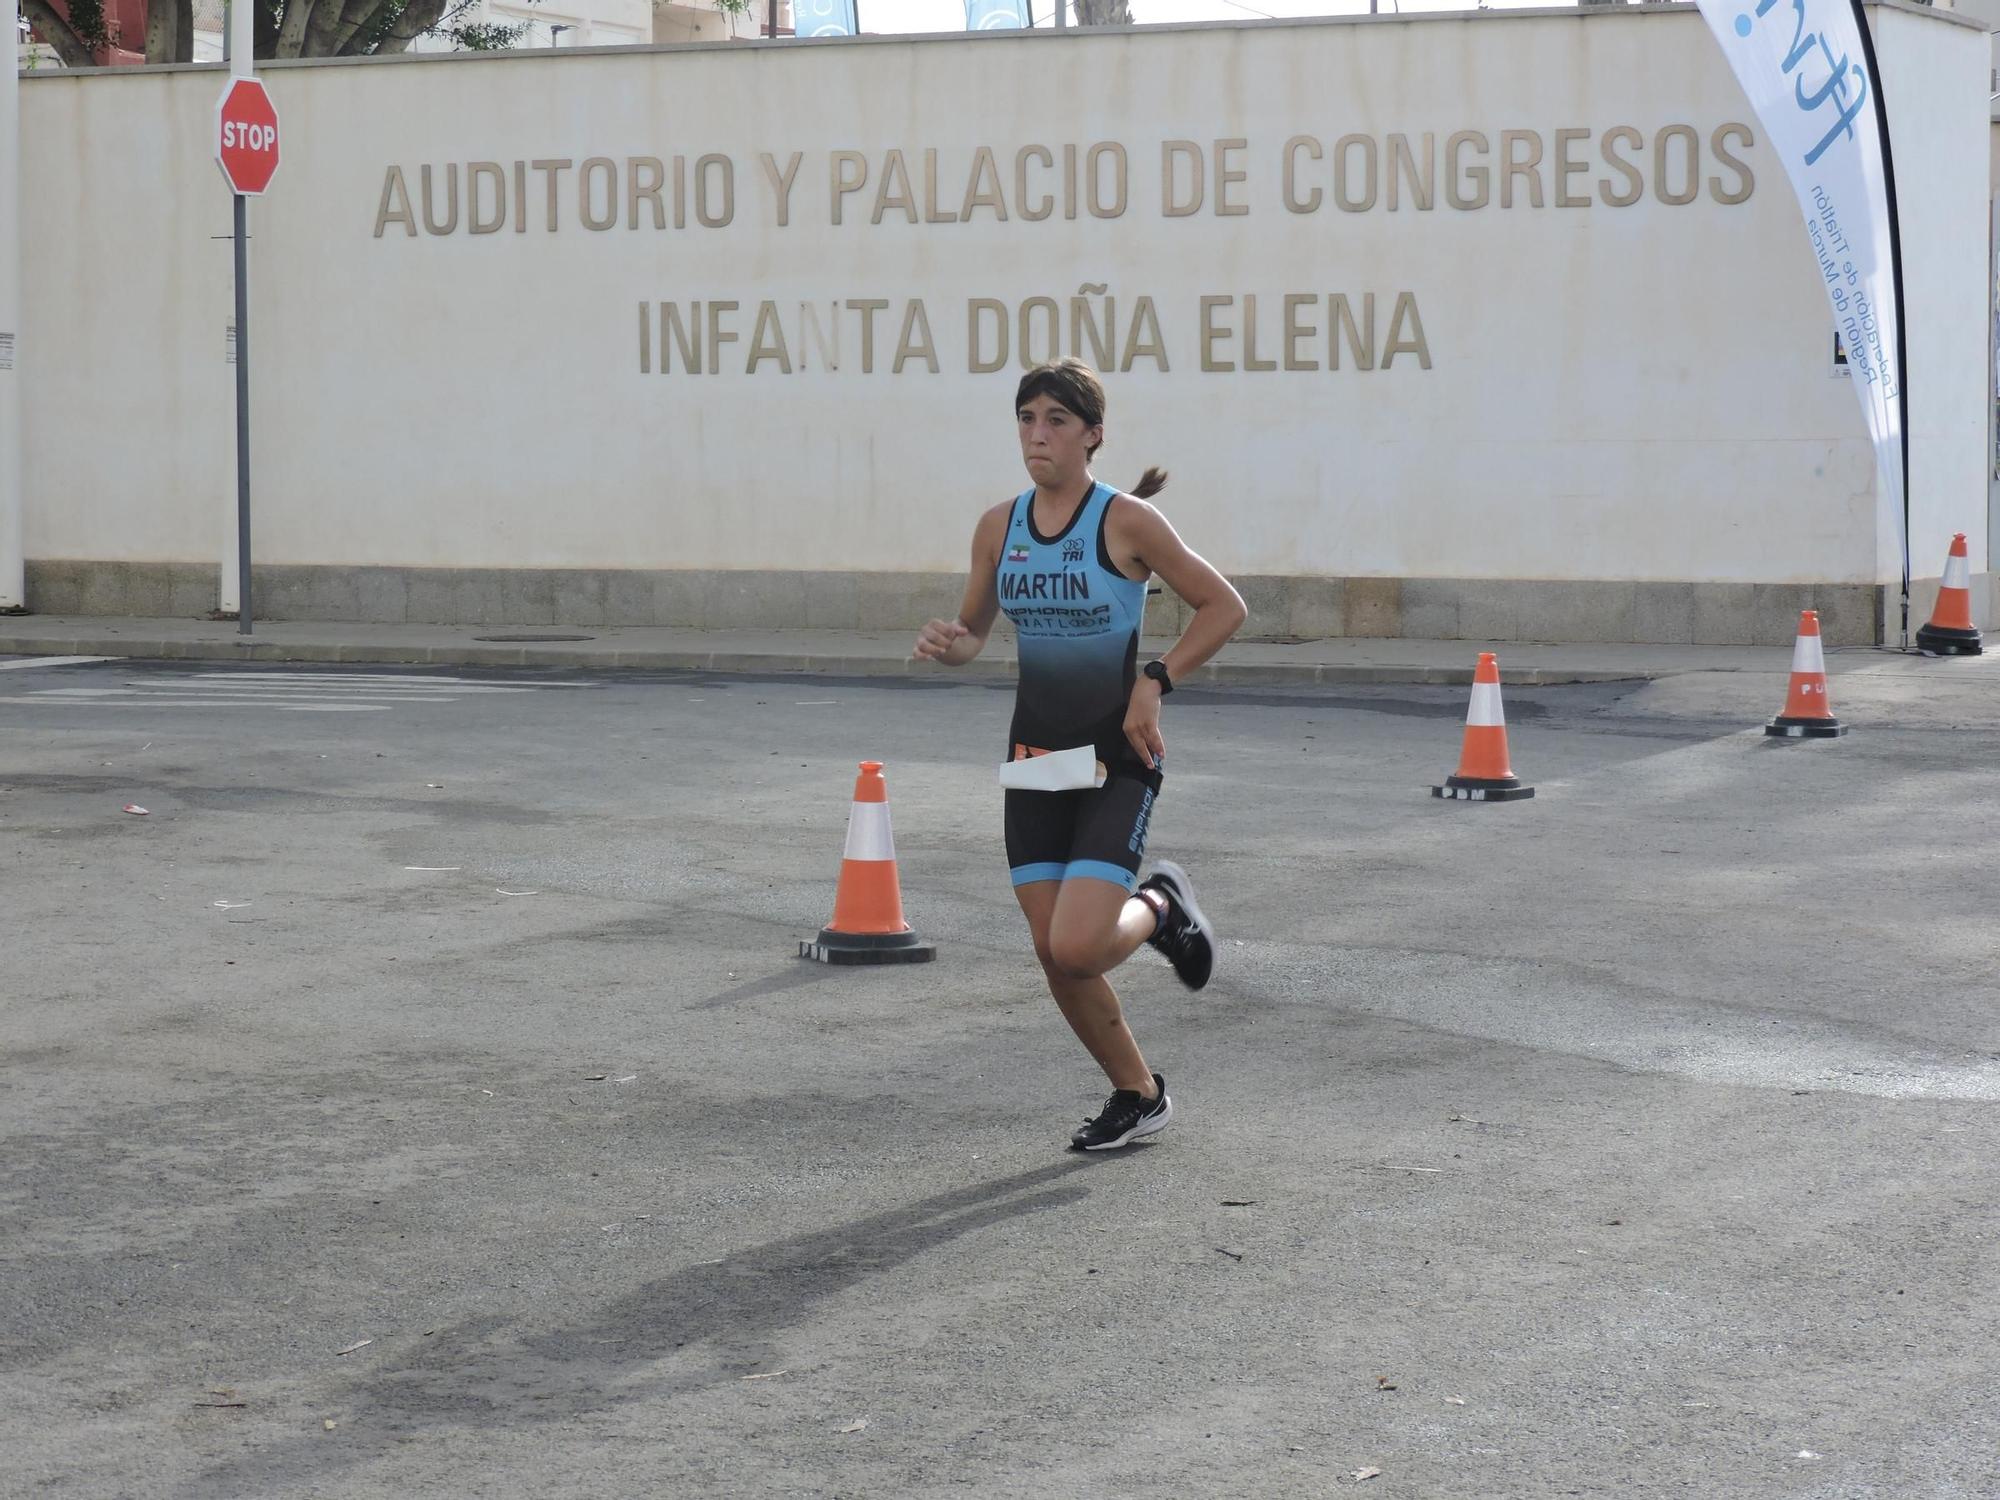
point(995, 15)
point(823, 18)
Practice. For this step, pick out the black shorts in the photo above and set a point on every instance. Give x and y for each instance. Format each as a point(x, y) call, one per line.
point(1099, 833)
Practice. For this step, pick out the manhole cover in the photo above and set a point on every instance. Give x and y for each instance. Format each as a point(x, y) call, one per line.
point(528, 639)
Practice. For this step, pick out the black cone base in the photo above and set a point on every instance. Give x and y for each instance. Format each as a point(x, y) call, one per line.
point(867, 948)
point(1947, 640)
point(1783, 728)
point(1483, 789)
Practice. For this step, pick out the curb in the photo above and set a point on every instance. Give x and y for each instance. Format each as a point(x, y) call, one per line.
point(327, 652)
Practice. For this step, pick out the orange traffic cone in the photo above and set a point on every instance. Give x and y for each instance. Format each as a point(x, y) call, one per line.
point(1808, 713)
point(1951, 631)
point(1484, 771)
point(868, 925)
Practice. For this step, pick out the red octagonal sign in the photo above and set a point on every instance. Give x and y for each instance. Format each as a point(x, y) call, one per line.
point(246, 137)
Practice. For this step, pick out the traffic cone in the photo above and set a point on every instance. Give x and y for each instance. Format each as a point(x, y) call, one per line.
point(1808, 712)
point(1951, 631)
point(1484, 772)
point(868, 925)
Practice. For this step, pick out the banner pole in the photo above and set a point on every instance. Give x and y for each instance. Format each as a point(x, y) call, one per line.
point(1896, 275)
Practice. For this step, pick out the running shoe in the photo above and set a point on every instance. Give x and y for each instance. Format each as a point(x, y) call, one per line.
point(1127, 1115)
point(1185, 935)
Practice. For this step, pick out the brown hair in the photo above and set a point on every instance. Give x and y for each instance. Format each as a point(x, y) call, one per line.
point(1073, 385)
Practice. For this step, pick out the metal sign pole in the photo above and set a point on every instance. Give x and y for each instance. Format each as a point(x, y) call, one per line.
point(239, 43)
point(242, 416)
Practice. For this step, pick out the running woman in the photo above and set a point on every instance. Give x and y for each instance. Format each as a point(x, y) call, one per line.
point(1069, 560)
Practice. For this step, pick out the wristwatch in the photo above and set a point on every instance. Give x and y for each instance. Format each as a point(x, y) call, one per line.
point(1157, 670)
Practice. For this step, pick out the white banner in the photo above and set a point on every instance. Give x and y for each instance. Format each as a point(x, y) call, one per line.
point(1803, 64)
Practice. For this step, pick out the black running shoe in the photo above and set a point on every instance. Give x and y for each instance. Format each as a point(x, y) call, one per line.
point(1127, 1115)
point(1185, 936)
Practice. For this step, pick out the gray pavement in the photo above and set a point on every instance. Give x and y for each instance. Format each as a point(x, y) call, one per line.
point(422, 1098)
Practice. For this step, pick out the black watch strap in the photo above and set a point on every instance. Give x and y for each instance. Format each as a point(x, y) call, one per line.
point(1157, 670)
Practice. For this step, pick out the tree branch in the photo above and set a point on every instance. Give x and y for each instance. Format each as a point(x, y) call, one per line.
point(420, 17)
point(292, 28)
point(46, 19)
point(341, 25)
point(162, 32)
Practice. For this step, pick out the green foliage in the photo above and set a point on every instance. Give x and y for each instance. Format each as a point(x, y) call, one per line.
point(475, 36)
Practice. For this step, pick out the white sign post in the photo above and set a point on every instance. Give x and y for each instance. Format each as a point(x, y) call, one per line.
point(246, 148)
point(13, 563)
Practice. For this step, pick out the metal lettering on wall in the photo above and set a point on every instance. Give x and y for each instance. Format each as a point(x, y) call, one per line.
point(1360, 330)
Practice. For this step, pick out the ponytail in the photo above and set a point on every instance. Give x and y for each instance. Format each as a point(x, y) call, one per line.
point(1150, 483)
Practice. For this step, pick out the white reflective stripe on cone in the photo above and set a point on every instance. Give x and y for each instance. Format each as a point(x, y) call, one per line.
point(1957, 573)
point(1807, 655)
point(868, 835)
point(1485, 711)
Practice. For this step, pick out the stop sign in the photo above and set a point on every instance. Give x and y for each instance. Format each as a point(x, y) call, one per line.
point(246, 137)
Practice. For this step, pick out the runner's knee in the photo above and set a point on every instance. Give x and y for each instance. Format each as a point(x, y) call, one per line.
point(1074, 957)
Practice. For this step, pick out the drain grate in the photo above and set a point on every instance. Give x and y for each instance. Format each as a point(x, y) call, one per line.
point(518, 640)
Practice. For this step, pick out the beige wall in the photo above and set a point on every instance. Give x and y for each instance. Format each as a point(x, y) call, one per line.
point(1602, 392)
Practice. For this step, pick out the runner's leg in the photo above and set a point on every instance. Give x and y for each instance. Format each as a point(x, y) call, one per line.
point(1087, 1002)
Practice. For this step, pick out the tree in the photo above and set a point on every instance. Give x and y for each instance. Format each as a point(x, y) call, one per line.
point(1103, 13)
point(284, 28)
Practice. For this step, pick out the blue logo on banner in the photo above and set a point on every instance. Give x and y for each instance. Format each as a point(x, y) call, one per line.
point(995, 15)
point(823, 18)
point(1842, 75)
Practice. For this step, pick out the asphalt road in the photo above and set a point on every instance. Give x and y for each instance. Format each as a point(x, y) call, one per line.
point(423, 1098)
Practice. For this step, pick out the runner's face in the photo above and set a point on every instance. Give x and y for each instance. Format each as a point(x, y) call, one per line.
point(1055, 442)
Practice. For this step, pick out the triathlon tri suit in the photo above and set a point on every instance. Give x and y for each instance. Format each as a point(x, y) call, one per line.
point(1077, 621)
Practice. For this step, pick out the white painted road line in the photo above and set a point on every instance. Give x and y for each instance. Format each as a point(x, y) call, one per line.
point(293, 692)
point(33, 662)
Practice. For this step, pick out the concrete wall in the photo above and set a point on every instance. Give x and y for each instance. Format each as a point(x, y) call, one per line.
point(1619, 420)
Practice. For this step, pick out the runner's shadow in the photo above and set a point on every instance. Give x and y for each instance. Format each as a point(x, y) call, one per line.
point(697, 1327)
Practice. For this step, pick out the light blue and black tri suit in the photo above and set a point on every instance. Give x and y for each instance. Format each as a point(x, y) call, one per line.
point(1077, 619)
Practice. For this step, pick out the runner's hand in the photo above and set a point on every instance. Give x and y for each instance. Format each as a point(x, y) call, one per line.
point(1142, 722)
point(937, 638)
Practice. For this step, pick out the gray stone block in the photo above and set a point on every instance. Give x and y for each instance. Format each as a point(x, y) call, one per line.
point(832, 601)
point(55, 588)
point(453, 596)
point(281, 592)
point(1491, 610)
point(1774, 612)
point(753, 599)
point(510, 596)
point(1372, 607)
point(903, 601)
point(1848, 613)
point(103, 590)
point(382, 595)
point(1166, 614)
point(680, 599)
point(628, 598)
point(1663, 613)
point(1270, 605)
point(1723, 614)
point(196, 591)
point(1430, 609)
point(579, 596)
point(149, 590)
point(332, 594)
point(1318, 607)
point(1576, 611)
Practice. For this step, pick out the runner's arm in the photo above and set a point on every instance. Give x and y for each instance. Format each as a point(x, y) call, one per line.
point(1218, 609)
point(953, 643)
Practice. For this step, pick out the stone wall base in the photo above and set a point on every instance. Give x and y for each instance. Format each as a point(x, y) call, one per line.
point(1281, 608)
